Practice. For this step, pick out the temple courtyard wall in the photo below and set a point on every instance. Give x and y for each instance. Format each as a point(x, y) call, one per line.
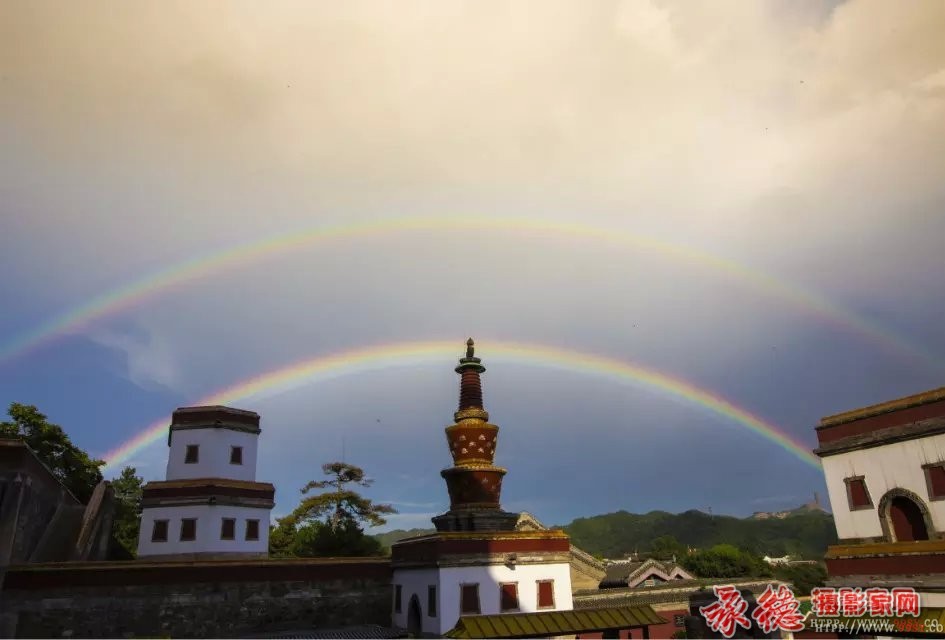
point(223, 598)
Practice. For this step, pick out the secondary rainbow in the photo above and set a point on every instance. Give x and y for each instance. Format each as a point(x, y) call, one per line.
point(412, 353)
point(121, 299)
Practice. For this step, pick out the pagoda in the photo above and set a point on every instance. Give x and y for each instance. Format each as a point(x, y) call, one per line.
point(476, 563)
point(474, 482)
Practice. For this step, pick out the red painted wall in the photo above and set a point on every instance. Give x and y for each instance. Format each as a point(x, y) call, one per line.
point(662, 630)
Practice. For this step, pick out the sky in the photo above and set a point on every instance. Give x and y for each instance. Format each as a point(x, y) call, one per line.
point(743, 198)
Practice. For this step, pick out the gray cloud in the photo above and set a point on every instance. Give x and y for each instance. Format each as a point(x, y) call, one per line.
point(804, 139)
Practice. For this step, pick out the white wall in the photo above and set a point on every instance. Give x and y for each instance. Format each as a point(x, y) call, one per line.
point(209, 524)
point(488, 578)
point(884, 468)
point(214, 457)
point(414, 582)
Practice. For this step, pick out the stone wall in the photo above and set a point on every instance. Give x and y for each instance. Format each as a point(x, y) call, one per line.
point(41, 521)
point(30, 498)
point(194, 599)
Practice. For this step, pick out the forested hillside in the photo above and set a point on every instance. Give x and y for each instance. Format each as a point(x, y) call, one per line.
point(805, 534)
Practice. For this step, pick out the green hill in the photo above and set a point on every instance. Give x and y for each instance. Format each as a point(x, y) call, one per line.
point(804, 533)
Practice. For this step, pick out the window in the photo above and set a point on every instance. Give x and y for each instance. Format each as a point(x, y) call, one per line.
point(192, 455)
point(935, 480)
point(546, 594)
point(252, 529)
point(228, 529)
point(649, 582)
point(469, 599)
point(188, 529)
point(397, 593)
point(509, 596)
point(159, 532)
point(431, 601)
point(236, 455)
point(679, 621)
point(858, 496)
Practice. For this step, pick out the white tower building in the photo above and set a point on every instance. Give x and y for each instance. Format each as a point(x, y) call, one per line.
point(210, 505)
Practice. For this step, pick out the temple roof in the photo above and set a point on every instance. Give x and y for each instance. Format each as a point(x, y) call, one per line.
point(553, 623)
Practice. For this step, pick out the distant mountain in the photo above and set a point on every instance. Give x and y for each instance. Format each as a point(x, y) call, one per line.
point(390, 537)
point(805, 532)
point(801, 510)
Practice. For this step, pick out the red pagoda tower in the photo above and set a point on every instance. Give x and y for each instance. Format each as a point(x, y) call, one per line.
point(474, 482)
point(476, 562)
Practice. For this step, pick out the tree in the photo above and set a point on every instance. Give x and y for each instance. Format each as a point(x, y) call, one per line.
point(329, 523)
point(667, 548)
point(128, 490)
point(725, 561)
point(71, 465)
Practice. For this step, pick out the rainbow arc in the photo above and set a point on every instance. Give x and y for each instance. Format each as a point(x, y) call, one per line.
point(325, 367)
point(121, 299)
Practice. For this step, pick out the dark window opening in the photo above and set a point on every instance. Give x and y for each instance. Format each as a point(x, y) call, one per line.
point(469, 600)
point(192, 455)
point(188, 529)
point(236, 455)
point(159, 532)
point(935, 479)
point(509, 592)
point(431, 601)
point(858, 495)
point(397, 594)
point(228, 529)
point(252, 529)
point(546, 594)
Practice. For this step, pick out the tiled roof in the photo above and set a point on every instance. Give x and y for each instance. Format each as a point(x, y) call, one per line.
point(675, 591)
point(367, 632)
point(918, 399)
point(553, 623)
point(620, 571)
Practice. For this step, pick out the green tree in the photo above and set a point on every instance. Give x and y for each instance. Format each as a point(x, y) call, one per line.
point(329, 523)
point(71, 465)
point(128, 491)
point(667, 548)
point(725, 561)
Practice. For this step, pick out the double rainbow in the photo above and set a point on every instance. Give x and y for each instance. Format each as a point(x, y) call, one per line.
point(413, 353)
point(121, 299)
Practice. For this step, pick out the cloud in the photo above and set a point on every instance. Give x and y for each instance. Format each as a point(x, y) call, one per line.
point(776, 500)
point(804, 139)
point(405, 521)
point(151, 359)
point(409, 505)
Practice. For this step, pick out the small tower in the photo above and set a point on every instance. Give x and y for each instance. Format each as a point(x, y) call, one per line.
point(476, 562)
point(474, 482)
point(210, 505)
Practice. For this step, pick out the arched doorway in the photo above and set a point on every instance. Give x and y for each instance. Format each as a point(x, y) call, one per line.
point(907, 521)
point(414, 618)
point(905, 517)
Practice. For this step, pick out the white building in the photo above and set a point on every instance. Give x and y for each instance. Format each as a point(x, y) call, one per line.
point(885, 472)
point(477, 563)
point(210, 505)
point(440, 577)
